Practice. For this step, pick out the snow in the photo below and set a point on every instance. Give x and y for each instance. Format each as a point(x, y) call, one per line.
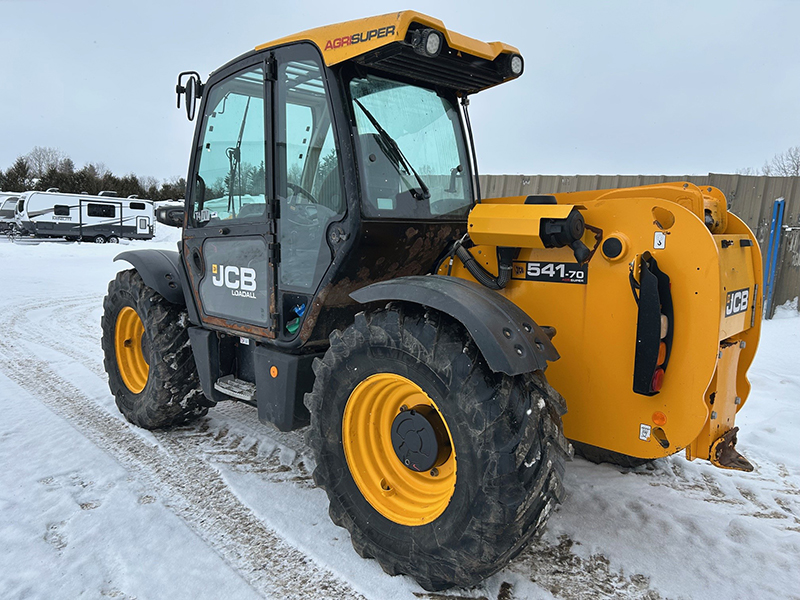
point(91, 506)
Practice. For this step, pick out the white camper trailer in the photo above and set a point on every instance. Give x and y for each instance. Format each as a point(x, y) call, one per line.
point(8, 204)
point(99, 219)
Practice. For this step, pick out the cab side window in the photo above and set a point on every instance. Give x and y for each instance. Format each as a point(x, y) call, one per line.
point(308, 174)
point(230, 182)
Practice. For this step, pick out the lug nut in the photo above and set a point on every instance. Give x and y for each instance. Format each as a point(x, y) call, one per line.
point(434, 472)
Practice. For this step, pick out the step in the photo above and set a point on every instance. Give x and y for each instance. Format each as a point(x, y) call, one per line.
point(242, 390)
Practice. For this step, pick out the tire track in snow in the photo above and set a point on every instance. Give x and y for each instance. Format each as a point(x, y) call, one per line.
point(231, 435)
point(196, 491)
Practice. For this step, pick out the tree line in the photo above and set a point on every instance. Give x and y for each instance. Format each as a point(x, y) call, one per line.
point(44, 168)
point(783, 164)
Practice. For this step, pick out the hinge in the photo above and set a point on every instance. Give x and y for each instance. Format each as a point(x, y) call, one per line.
point(271, 73)
point(274, 253)
point(274, 208)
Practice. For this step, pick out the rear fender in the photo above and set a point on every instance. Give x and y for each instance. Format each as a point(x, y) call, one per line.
point(510, 341)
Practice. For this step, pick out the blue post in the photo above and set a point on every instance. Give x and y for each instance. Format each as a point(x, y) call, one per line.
point(772, 252)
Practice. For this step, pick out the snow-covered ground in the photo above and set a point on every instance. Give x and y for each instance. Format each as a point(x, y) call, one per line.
point(93, 507)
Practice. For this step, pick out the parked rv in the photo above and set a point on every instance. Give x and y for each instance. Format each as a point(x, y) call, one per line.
point(8, 203)
point(98, 219)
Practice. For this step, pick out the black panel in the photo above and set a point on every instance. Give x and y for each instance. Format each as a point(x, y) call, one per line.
point(282, 380)
point(462, 73)
point(213, 357)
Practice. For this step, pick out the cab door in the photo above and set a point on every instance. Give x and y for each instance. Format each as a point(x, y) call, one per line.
point(229, 236)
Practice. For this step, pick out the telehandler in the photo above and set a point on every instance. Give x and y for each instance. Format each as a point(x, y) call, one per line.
point(339, 268)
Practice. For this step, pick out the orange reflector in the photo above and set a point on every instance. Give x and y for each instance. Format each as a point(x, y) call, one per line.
point(659, 418)
point(658, 380)
point(662, 353)
point(273, 370)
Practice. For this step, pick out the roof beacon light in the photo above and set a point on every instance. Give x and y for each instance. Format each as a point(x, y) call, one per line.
point(427, 42)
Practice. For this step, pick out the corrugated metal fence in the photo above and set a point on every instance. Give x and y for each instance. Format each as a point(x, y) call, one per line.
point(750, 197)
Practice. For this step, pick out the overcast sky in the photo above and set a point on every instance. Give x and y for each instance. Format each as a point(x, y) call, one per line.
point(609, 87)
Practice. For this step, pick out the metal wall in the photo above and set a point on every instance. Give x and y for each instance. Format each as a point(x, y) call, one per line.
point(750, 197)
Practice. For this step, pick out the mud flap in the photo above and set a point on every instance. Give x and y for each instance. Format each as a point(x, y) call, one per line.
point(724, 454)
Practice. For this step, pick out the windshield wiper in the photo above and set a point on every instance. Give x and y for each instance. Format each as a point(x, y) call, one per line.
point(235, 161)
point(392, 150)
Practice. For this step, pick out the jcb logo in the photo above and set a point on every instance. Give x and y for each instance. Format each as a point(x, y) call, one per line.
point(737, 302)
point(235, 278)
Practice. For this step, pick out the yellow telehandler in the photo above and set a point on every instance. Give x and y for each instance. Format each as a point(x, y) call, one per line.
point(338, 268)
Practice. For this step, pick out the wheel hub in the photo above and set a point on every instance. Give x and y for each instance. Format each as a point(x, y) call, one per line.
point(379, 433)
point(418, 438)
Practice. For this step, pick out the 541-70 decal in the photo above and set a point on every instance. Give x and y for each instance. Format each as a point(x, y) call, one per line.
point(556, 272)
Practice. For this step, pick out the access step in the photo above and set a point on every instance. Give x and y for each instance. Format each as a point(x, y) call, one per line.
point(236, 388)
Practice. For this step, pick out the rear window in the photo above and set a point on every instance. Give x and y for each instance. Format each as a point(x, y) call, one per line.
point(61, 210)
point(100, 210)
point(137, 205)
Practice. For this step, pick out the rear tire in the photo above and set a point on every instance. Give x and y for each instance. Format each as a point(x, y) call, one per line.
point(506, 435)
point(112, 239)
point(147, 355)
point(601, 455)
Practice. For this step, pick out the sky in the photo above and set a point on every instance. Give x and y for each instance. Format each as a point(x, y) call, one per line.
point(614, 87)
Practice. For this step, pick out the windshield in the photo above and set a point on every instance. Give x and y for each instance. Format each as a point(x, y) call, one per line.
point(427, 130)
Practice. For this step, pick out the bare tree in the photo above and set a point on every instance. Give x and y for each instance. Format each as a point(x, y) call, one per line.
point(41, 159)
point(97, 169)
point(147, 181)
point(785, 164)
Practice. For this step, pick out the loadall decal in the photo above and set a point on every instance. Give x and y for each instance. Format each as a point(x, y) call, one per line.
point(357, 38)
point(737, 302)
point(240, 280)
point(235, 284)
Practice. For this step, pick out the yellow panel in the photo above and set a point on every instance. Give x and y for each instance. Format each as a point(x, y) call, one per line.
point(343, 41)
point(514, 225)
point(721, 402)
point(596, 321)
point(737, 279)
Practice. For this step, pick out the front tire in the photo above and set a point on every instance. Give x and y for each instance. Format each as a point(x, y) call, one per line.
point(467, 521)
point(99, 239)
point(147, 355)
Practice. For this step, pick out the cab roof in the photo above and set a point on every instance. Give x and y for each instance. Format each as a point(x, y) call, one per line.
point(383, 42)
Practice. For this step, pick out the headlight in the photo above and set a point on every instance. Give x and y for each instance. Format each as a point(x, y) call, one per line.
point(516, 64)
point(427, 42)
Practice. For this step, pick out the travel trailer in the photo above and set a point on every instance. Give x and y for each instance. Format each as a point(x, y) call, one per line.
point(8, 202)
point(99, 219)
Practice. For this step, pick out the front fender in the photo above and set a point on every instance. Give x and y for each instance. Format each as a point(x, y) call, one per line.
point(510, 341)
point(160, 270)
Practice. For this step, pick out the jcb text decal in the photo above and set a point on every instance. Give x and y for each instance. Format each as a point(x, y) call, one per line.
point(357, 38)
point(240, 280)
point(737, 302)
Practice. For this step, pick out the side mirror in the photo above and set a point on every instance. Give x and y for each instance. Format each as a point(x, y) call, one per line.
point(170, 215)
point(192, 90)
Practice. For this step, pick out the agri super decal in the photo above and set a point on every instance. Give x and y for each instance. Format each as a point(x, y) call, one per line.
point(357, 38)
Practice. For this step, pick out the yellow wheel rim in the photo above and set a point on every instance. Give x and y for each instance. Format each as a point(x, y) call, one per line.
point(128, 345)
point(395, 491)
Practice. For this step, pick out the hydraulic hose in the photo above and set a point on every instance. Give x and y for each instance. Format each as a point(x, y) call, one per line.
point(484, 277)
